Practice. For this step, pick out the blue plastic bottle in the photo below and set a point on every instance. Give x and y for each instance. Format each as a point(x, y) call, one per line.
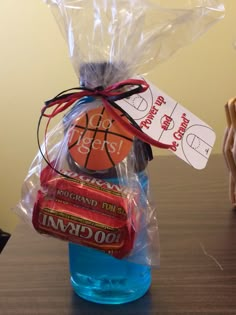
point(96, 276)
point(101, 278)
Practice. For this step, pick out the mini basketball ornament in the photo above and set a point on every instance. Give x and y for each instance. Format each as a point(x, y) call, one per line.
point(97, 142)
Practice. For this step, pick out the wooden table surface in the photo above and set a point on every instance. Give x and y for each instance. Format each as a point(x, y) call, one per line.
point(198, 253)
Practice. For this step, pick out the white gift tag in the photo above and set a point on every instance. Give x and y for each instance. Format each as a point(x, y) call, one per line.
point(163, 119)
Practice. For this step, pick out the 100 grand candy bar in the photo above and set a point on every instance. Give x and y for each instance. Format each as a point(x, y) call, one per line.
point(87, 211)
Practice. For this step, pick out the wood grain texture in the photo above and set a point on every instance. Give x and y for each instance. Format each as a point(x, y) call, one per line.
point(198, 254)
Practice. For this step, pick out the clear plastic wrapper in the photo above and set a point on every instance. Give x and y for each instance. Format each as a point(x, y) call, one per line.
point(89, 181)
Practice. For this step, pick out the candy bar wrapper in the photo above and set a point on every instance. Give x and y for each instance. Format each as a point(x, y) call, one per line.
point(89, 211)
point(89, 182)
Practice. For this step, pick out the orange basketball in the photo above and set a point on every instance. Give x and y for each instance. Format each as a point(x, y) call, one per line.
point(98, 142)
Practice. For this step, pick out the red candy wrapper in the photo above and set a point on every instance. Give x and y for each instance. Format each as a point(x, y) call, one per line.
point(88, 192)
point(79, 225)
point(87, 211)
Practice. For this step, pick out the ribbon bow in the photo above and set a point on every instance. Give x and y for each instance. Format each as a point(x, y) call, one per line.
point(108, 96)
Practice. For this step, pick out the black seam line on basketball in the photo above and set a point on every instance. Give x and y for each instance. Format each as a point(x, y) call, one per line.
point(84, 132)
point(110, 132)
point(94, 135)
point(106, 147)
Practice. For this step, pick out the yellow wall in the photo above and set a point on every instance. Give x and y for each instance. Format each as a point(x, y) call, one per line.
point(34, 66)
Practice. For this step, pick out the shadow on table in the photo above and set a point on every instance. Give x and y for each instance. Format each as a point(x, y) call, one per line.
point(81, 307)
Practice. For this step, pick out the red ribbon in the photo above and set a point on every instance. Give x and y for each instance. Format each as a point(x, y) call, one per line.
point(62, 102)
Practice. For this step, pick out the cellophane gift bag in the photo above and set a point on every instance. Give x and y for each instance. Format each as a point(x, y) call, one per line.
point(88, 184)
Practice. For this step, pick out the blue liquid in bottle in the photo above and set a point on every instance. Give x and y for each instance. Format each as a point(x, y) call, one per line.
point(101, 278)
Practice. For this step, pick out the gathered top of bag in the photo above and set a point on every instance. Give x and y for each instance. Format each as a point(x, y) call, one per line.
point(131, 35)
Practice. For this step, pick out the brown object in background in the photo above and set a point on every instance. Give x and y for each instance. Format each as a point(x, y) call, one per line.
point(229, 146)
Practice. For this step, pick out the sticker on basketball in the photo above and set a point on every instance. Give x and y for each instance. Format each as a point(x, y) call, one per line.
point(98, 142)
